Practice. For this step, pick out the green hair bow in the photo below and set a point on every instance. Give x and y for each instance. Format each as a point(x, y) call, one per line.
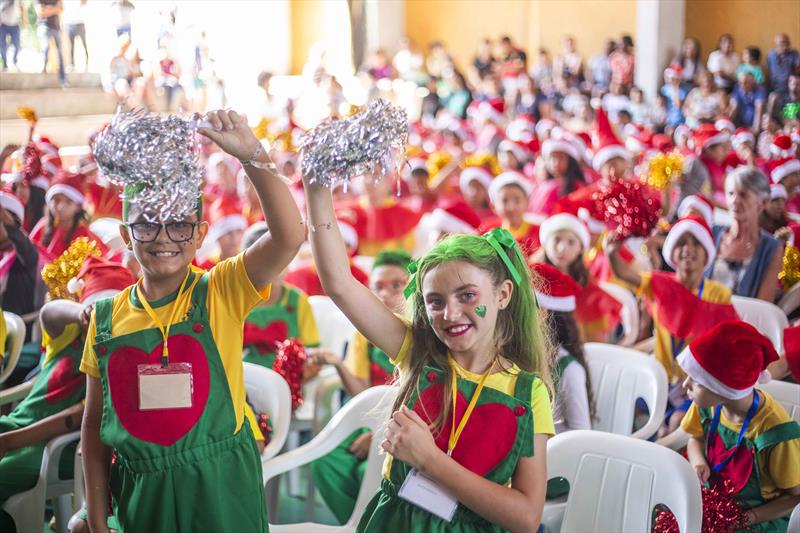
point(499, 239)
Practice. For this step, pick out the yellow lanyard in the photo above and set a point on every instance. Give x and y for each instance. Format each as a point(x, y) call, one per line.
point(455, 432)
point(164, 330)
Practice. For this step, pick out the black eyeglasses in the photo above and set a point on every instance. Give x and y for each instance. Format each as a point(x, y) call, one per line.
point(176, 231)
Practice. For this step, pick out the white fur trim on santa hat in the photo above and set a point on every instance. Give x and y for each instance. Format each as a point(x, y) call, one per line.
point(40, 181)
point(349, 235)
point(682, 131)
point(519, 152)
point(719, 138)
point(565, 304)
point(543, 126)
point(725, 124)
point(607, 153)
point(564, 221)
point(13, 204)
point(70, 192)
point(743, 137)
point(443, 221)
point(695, 229)
point(781, 171)
point(226, 225)
point(693, 369)
point(560, 145)
point(505, 179)
point(594, 225)
point(693, 202)
point(469, 174)
point(12, 177)
point(776, 191)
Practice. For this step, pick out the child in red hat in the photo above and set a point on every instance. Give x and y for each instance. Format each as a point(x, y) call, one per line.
point(510, 193)
point(740, 433)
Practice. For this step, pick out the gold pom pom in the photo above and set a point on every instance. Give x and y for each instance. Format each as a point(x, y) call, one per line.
point(437, 161)
point(790, 273)
point(28, 114)
point(483, 159)
point(56, 275)
point(663, 169)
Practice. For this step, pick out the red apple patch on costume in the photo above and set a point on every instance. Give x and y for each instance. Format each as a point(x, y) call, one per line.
point(63, 381)
point(487, 438)
point(162, 426)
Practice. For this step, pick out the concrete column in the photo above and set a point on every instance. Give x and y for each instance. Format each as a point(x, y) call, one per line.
point(660, 28)
point(386, 24)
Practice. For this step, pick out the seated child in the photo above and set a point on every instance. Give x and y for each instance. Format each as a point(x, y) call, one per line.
point(338, 475)
point(510, 193)
point(739, 432)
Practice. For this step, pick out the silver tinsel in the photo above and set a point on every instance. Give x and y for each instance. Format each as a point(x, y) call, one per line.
point(337, 151)
point(158, 156)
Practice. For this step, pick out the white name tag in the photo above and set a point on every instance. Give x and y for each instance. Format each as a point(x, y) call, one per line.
point(424, 492)
point(165, 388)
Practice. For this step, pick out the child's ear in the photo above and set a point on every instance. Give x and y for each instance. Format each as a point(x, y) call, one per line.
point(202, 231)
point(504, 293)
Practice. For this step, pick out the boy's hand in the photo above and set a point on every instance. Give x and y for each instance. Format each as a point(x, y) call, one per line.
point(322, 356)
point(85, 316)
point(702, 470)
point(231, 133)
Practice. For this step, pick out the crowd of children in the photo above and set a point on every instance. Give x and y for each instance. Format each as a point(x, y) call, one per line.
point(488, 253)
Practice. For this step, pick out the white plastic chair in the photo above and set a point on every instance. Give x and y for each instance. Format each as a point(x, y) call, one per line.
point(787, 394)
point(27, 508)
point(616, 481)
point(790, 300)
point(794, 520)
point(629, 314)
point(767, 318)
point(619, 376)
point(107, 228)
point(269, 393)
point(15, 338)
point(370, 409)
point(335, 330)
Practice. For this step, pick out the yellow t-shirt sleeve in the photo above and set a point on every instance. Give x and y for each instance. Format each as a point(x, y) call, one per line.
point(89, 359)
point(357, 359)
point(309, 334)
point(542, 410)
point(691, 422)
point(3, 334)
point(405, 348)
point(229, 283)
point(784, 464)
point(645, 289)
point(251, 419)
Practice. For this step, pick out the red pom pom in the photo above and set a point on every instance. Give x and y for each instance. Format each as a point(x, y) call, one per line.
point(31, 164)
point(265, 425)
point(722, 512)
point(630, 207)
point(290, 360)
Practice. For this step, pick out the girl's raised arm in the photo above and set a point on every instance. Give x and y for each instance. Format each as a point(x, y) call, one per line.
point(367, 313)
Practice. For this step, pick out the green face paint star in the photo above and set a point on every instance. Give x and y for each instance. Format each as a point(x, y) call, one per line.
point(481, 311)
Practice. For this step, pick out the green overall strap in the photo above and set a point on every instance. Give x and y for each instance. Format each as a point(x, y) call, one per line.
point(102, 319)
point(523, 388)
point(523, 392)
point(293, 299)
point(199, 295)
point(782, 432)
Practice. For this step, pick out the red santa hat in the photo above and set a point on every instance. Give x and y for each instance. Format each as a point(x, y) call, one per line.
point(729, 359)
point(777, 191)
point(791, 346)
point(99, 278)
point(725, 124)
point(455, 216)
point(504, 180)
point(564, 221)
point(520, 150)
point(699, 203)
point(743, 135)
point(556, 291)
point(607, 146)
point(521, 129)
point(543, 127)
point(593, 220)
point(696, 227)
point(682, 131)
point(662, 142)
point(780, 168)
point(563, 145)
point(707, 135)
point(477, 173)
point(781, 146)
point(70, 184)
point(12, 202)
point(415, 163)
point(489, 109)
point(224, 216)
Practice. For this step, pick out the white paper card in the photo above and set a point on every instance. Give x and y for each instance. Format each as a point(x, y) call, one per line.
point(165, 391)
point(424, 492)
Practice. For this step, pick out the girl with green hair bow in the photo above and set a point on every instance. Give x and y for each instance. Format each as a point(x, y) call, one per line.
point(473, 416)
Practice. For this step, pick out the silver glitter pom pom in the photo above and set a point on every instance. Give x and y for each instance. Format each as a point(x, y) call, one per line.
point(155, 156)
point(337, 151)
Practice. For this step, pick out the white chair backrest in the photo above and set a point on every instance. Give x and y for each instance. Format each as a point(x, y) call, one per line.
point(629, 314)
point(15, 338)
point(616, 481)
point(335, 330)
point(787, 394)
point(370, 409)
point(767, 318)
point(790, 299)
point(269, 393)
point(364, 262)
point(619, 376)
point(107, 229)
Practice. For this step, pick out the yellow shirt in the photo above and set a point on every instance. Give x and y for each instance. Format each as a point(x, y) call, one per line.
point(357, 358)
point(502, 381)
point(3, 334)
point(231, 296)
point(713, 292)
point(779, 465)
point(52, 346)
